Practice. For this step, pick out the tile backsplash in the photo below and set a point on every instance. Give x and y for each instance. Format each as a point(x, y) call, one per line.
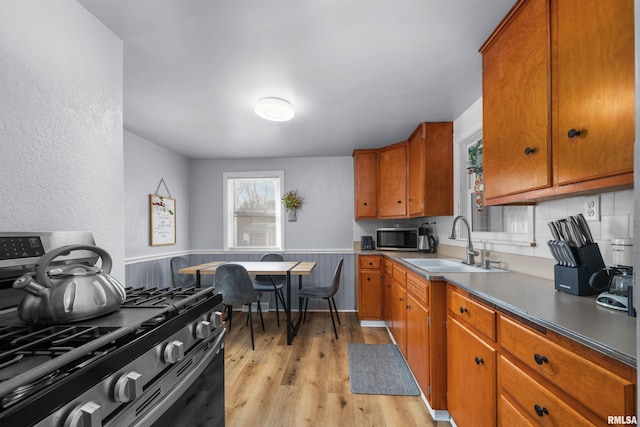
point(616, 221)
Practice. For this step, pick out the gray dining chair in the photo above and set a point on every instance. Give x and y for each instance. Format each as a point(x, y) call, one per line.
point(269, 283)
point(181, 280)
point(235, 284)
point(324, 292)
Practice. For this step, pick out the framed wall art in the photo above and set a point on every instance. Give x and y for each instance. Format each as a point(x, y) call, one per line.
point(162, 224)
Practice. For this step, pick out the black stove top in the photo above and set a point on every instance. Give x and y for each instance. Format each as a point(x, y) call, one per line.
point(33, 358)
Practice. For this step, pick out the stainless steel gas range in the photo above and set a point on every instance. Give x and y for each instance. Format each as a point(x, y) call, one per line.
point(137, 366)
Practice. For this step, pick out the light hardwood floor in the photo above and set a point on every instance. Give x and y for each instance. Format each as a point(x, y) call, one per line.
point(307, 383)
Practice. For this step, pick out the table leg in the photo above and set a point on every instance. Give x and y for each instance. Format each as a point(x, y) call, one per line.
point(198, 278)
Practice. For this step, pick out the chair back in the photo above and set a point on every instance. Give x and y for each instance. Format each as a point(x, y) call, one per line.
point(336, 278)
point(180, 280)
point(234, 283)
point(266, 279)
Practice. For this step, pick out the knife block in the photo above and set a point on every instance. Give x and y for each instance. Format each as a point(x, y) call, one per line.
point(575, 280)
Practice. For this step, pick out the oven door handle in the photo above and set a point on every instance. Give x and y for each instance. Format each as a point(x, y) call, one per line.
point(218, 344)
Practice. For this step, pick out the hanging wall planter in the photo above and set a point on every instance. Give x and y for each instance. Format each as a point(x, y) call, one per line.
point(292, 202)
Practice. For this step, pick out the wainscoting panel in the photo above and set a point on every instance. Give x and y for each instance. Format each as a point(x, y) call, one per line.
point(157, 273)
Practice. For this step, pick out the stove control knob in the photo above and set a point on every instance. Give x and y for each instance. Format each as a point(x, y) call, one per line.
point(203, 330)
point(87, 414)
point(216, 319)
point(174, 352)
point(128, 387)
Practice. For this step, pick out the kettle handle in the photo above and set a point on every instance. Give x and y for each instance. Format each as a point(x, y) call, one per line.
point(43, 263)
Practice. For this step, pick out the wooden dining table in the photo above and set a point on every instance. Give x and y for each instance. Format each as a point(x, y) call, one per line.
point(273, 268)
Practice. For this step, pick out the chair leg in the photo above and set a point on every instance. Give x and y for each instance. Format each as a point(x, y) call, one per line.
point(261, 318)
point(277, 310)
point(332, 321)
point(336, 309)
point(306, 305)
point(229, 315)
point(251, 327)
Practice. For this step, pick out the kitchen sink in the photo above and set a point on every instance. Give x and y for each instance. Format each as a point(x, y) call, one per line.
point(446, 265)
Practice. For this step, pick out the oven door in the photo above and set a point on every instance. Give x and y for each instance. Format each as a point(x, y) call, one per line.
point(201, 403)
point(197, 399)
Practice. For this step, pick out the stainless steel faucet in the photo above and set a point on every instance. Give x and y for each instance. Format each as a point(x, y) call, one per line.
point(471, 254)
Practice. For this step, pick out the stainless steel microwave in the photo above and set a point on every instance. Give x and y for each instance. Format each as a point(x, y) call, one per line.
point(397, 239)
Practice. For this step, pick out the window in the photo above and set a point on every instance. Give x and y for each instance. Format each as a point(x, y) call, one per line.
point(499, 224)
point(252, 210)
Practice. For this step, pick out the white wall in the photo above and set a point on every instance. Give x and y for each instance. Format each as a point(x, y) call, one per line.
point(61, 155)
point(325, 221)
point(145, 164)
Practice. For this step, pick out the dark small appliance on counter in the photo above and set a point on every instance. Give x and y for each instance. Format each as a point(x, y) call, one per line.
point(397, 239)
point(578, 256)
point(366, 243)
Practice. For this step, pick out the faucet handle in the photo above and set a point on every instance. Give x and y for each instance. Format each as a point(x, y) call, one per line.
point(487, 263)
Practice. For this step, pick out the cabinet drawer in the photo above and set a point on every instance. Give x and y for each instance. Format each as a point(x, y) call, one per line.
point(419, 288)
point(388, 267)
point(509, 415)
point(536, 401)
point(369, 262)
point(600, 390)
point(482, 318)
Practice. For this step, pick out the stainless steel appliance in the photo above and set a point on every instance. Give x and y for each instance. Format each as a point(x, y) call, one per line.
point(426, 241)
point(132, 367)
point(397, 239)
point(617, 280)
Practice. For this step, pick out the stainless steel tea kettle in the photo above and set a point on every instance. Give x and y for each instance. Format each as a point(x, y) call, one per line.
point(69, 293)
point(426, 241)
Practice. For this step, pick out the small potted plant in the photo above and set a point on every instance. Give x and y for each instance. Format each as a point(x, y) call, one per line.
point(292, 202)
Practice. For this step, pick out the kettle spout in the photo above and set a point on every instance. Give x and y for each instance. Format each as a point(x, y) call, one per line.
point(30, 286)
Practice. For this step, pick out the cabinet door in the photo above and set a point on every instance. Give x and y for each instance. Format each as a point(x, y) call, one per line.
point(516, 98)
point(595, 89)
point(388, 296)
point(392, 181)
point(416, 165)
point(471, 378)
point(418, 342)
point(399, 317)
point(365, 170)
point(370, 295)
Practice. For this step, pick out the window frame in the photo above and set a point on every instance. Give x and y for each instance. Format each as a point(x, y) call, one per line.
point(227, 204)
point(465, 208)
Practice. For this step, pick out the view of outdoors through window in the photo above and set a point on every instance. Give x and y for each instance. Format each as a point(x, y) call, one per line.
point(255, 212)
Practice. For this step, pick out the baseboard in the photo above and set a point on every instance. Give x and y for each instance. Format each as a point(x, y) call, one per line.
point(373, 324)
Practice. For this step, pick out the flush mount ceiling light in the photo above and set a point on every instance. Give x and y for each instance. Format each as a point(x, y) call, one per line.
point(274, 109)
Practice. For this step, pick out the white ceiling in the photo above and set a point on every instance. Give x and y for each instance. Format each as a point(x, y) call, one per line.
point(359, 73)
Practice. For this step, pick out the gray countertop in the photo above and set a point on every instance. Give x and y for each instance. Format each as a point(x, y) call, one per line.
point(577, 317)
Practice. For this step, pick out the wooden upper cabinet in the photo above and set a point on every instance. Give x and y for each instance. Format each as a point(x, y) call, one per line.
point(595, 89)
point(430, 170)
point(549, 68)
point(365, 171)
point(392, 181)
point(515, 100)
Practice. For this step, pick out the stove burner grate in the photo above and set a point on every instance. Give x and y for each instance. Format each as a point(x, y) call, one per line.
point(155, 297)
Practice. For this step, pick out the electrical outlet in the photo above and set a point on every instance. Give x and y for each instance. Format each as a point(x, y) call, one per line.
point(591, 208)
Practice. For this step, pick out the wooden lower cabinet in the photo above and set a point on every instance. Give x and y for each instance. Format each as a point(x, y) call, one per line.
point(399, 316)
point(387, 286)
point(471, 377)
point(417, 352)
point(370, 290)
